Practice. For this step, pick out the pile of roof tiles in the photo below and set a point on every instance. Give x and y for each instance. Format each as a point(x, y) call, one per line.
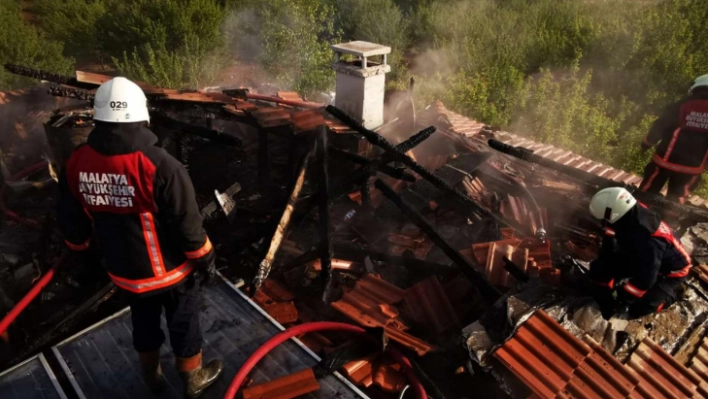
point(555, 364)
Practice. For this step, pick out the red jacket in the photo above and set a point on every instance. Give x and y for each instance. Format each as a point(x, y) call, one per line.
point(138, 202)
point(681, 133)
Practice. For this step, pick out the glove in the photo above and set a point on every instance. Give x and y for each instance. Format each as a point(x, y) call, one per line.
point(205, 268)
point(624, 300)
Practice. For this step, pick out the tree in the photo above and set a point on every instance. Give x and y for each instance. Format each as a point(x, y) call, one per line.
point(76, 23)
point(378, 21)
point(290, 38)
point(21, 43)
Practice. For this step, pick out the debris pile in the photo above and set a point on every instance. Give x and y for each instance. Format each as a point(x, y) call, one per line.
point(323, 218)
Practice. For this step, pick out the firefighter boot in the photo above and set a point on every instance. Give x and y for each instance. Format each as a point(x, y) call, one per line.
point(152, 371)
point(197, 378)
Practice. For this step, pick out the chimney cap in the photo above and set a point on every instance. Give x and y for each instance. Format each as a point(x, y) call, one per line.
point(361, 49)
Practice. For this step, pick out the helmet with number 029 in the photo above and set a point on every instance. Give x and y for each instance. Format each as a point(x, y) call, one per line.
point(611, 203)
point(120, 101)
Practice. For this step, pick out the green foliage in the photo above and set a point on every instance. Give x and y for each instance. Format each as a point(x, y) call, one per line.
point(74, 22)
point(590, 76)
point(171, 24)
point(377, 21)
point(290, 38)
point(21, 43)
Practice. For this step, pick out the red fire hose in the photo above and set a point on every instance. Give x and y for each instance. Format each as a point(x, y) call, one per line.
point(36, 289)
point(312, 327)
point(19, 175)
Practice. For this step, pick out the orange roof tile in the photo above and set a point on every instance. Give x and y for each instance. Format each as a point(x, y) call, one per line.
point(661, 376)
point(287, 387)
point(555, 364)
point(451, 122)
point(428, 305)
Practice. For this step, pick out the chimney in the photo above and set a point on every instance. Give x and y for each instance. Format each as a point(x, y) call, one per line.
point(361, 81)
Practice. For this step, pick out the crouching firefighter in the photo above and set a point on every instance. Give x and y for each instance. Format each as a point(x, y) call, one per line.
point(139, 205)
point(641, 266)
point(681, 133)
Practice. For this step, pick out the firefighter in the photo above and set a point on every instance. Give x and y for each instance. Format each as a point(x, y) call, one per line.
point(681, 133)
point(641, 265)
point(139, 205)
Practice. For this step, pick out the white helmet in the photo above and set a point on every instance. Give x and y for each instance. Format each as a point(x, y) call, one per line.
point(611, 203)
point(120, 101)
point(701, 81)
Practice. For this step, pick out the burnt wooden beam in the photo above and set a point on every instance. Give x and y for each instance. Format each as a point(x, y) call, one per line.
point(383, 168)
point(267, 262)
point(368, 170)
point(398, 155)
point(169, 123)
point(465, 265)
point(324, 205)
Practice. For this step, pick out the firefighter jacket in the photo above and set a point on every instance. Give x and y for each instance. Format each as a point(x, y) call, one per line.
point(138, 202)
point(641, 248)
point(681, 133)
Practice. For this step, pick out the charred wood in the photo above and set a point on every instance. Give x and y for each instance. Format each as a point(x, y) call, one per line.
point(324, 205)
point(475, 277)
point(267, 263)
point(397, 155)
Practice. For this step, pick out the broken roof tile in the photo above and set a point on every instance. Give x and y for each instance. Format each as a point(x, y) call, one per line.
point(360, 371)
point(415, 344)
point(389, 377)
point(287, 387)
point(380, 289)
point(282, 312)
point(368, 310)
point(289, 95)
point(276, 291)
point(427, 304)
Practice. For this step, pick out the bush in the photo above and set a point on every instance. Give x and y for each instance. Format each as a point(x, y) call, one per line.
point(290, 38)
point(21, 43)
point(377, 21)
point(75, 23)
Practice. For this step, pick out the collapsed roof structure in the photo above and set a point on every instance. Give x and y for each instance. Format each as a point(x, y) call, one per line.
point(416, 225)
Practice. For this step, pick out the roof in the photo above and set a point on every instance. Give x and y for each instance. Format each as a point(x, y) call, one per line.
point(555, 364)
point(451, 122)
point(100, 361)
point(661, 376)
point(372, 303)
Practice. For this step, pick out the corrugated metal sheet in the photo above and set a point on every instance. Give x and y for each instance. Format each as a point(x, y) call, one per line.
point(101, 362)
point(31, 379)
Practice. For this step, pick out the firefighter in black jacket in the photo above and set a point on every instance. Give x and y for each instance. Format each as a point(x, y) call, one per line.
point(641, 261)
point(681, 133)
point(138, 203)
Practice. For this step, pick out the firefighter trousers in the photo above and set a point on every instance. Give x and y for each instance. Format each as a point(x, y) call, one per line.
point(680, 184)
point(181, 305)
